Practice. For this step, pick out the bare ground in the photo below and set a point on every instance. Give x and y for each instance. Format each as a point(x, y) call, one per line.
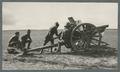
point(101, 58)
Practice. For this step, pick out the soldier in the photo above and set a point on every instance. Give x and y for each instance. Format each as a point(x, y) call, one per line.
point(49, 36)
point(65, 37)
point(26, 39)
point(14, 43)
point(66, 34)
point(72, 22)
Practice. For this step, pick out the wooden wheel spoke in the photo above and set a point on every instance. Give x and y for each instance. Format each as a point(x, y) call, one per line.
point(79, 29)
point(95, 39)
point(84, 27)
point(83, 44)
point(93, 43)
point(96, 36)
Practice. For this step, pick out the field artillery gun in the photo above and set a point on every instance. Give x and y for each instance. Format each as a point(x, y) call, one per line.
point(82, 36)
point(86, 35)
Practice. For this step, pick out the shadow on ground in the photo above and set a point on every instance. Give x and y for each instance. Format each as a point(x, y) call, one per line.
point(94, 51)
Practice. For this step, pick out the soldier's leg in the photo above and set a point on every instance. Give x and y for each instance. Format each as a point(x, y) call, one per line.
point(52, 42)
point(47, 39)
point(45, 42)
point(19, 46)
point(23, 44)
point(29, 43)
point(59, 47)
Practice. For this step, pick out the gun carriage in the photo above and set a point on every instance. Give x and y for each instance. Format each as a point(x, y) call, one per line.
point(82, 36)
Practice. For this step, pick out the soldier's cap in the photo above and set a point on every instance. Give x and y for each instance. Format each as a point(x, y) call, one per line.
point(16, 33)
point(67, 24)
point(57, 24)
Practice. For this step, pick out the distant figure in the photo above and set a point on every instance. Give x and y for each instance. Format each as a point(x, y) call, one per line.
point(26, 39)
point(14, 43)
point(49, 36)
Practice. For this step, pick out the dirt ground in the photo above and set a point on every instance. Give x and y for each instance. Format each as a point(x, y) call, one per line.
point(93, 58)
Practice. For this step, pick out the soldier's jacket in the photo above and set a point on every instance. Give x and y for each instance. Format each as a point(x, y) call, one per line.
point(14, 39)
point(66, 34)
point(66, 37)
point(26, 37)
point(52, 31)
point(14, 42)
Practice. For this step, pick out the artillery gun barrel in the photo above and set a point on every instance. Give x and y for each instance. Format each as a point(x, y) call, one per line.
point(104, 26)
point(101, 29)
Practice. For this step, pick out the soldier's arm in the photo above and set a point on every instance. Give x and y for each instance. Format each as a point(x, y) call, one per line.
point(60, 35)
point(56, 32)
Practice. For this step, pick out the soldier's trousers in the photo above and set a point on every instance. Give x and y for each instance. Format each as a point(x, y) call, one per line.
point(24, 43)
point(47, 39)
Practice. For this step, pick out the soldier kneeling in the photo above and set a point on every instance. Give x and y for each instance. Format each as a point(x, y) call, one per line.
point(14, 44)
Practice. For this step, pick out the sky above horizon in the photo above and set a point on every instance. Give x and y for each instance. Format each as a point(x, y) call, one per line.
point(43, 15)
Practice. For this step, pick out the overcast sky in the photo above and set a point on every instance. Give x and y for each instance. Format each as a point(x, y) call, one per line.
point(42, 15)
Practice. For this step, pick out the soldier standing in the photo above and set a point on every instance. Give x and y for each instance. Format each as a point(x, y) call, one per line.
point(49, 36)
point(26, 39)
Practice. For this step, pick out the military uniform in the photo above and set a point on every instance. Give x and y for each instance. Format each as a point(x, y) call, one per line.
point(14, 44)
point(66, 35)
point(49, 36)
point(14, 41)
point(26, 39)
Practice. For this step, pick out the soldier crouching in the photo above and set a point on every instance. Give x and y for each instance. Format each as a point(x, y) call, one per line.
point(14, 44)
point(26, 39)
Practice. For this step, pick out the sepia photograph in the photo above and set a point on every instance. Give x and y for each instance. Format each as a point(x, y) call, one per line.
point(59, 36)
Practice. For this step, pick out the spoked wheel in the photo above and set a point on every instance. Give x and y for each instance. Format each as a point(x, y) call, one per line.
point(81, 36)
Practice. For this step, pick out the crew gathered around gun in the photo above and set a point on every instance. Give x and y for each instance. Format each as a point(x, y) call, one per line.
point(64, 36)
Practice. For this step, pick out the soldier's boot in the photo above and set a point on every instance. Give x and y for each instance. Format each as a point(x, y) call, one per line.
point(25, 52)
point(59, 48)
